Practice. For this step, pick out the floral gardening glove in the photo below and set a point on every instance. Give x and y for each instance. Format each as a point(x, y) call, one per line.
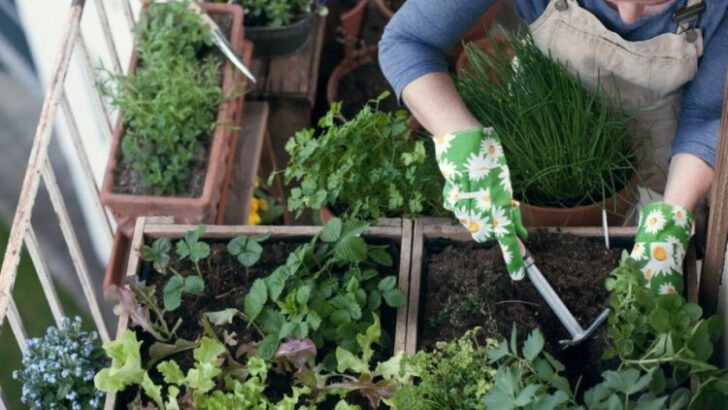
point(660, 244)
point(478, 191)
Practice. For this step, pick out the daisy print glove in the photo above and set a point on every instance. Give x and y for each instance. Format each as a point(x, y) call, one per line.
point(660, 244)
point(478, 191)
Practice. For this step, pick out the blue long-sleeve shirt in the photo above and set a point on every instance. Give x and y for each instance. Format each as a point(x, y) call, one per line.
point(419, 34)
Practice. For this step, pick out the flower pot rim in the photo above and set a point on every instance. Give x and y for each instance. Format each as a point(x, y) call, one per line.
point(346, 66)
point(267, 29)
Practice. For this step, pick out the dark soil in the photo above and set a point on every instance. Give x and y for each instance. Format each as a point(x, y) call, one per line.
point(394, 4)
point(466, 285)
point(361, 85)
point(226, 284)
point(128, 181)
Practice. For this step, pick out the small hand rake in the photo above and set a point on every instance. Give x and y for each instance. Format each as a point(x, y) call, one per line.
point(578, 334)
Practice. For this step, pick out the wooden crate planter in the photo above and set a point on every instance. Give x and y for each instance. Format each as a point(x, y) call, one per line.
point(437, 228)
point(127, 207)
point(148, 229)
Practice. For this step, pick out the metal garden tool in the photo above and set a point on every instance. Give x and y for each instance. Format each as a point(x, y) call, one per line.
point(221, 42)
point(578, 334)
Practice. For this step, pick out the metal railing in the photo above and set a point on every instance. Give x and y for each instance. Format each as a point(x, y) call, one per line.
point(57, 107)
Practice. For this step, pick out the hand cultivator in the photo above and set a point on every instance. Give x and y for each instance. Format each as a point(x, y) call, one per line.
point(578, 334)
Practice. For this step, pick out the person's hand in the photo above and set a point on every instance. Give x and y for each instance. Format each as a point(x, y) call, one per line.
point(660, 245)
point(478, 191)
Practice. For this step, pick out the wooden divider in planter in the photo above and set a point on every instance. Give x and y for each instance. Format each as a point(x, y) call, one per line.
point(127, 207)
point(397, 230)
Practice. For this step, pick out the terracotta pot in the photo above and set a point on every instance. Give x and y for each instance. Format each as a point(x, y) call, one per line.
point(351, 22)
point(384, 8)
point(617, 207)
point(203, 209)
point(346, 66)
point(462, 63)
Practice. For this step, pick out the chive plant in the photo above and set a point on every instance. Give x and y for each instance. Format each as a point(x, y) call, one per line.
point(565, 146)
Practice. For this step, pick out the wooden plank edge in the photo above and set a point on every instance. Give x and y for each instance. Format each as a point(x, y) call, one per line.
point(400, 336)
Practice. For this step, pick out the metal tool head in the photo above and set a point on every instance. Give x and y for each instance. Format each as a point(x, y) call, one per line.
point(586, 334)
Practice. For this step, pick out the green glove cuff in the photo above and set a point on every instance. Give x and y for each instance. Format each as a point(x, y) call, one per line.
point(660, 246)
point(478, 190)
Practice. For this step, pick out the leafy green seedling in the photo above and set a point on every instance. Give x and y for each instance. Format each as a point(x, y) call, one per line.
point(191, 247)
point(247, 250)
point(177, 285)
point(158, 254)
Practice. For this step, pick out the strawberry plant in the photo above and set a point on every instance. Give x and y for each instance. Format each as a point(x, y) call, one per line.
point(328, 290)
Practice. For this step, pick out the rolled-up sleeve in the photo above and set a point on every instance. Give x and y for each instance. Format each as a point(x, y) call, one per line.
point(419, 34)
point(700, 112)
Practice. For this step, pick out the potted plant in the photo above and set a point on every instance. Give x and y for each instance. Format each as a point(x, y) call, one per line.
point(180, 106)
point(279, 27)
point(568, 149)
point(369, 166)
point(352, 17)
point(208, 313)
point(58, 368)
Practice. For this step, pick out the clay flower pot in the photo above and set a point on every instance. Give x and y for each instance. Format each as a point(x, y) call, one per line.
point(351, 22)
point(617, 207)
point(204, 208)
point(346, 66)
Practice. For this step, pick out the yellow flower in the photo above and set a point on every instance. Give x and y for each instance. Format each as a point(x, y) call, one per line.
point(263, 204)
point(253, 216)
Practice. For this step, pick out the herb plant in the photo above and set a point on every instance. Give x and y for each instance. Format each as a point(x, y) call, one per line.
point(170, 103)
point(565, 146)
point(328, 290)
point(58, 367)
point(277, 13)
point(371, 165)
point(455, 375)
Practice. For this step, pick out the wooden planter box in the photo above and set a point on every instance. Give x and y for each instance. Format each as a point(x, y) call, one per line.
point(127, 207)
point(399, 231)
point(440, 228)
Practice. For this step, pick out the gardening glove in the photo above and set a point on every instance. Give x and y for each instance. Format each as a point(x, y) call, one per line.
point(660, 245)
point(478, 191)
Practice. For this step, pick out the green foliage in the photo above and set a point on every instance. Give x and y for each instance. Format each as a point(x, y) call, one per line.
point(171, 102)
point(247, 249)
point(456, 375)
point(532, 380)
point(458, 309)
point(371, 164)
point(58, 367)
point(158, 254)
point(328, 290)
point(663, 336)
point(277, 13)
point(564, 145)
point(126, 364)
point(177, 285)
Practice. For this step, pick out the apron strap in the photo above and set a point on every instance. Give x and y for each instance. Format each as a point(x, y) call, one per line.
point(687, 18)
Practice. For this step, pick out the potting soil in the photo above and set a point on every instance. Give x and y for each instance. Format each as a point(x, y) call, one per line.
point(361, 85)
point(466, 285)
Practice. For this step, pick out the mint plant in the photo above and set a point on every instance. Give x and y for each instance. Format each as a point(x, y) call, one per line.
point(169, 105)
point(277, 13)
point(58, 367)
point(371, 165)
point(328, 290)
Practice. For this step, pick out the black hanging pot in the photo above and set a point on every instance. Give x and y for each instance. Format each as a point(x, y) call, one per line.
point(271, 42)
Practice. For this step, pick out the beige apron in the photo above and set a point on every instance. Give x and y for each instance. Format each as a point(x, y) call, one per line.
point(647, 75)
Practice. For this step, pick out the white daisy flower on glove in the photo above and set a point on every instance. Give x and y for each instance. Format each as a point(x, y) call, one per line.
point(478, 167)
point(453, 196)
point(655, 222)
point(479, 228)
point(448, 169)
point(491, 148)
point(507, 254)
point(677, 247)
point(499, 221)
point(638, 251)
point(662, 258)
point(442, 144)
point(679, 216)
point(667, 289)
point(483, 201)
